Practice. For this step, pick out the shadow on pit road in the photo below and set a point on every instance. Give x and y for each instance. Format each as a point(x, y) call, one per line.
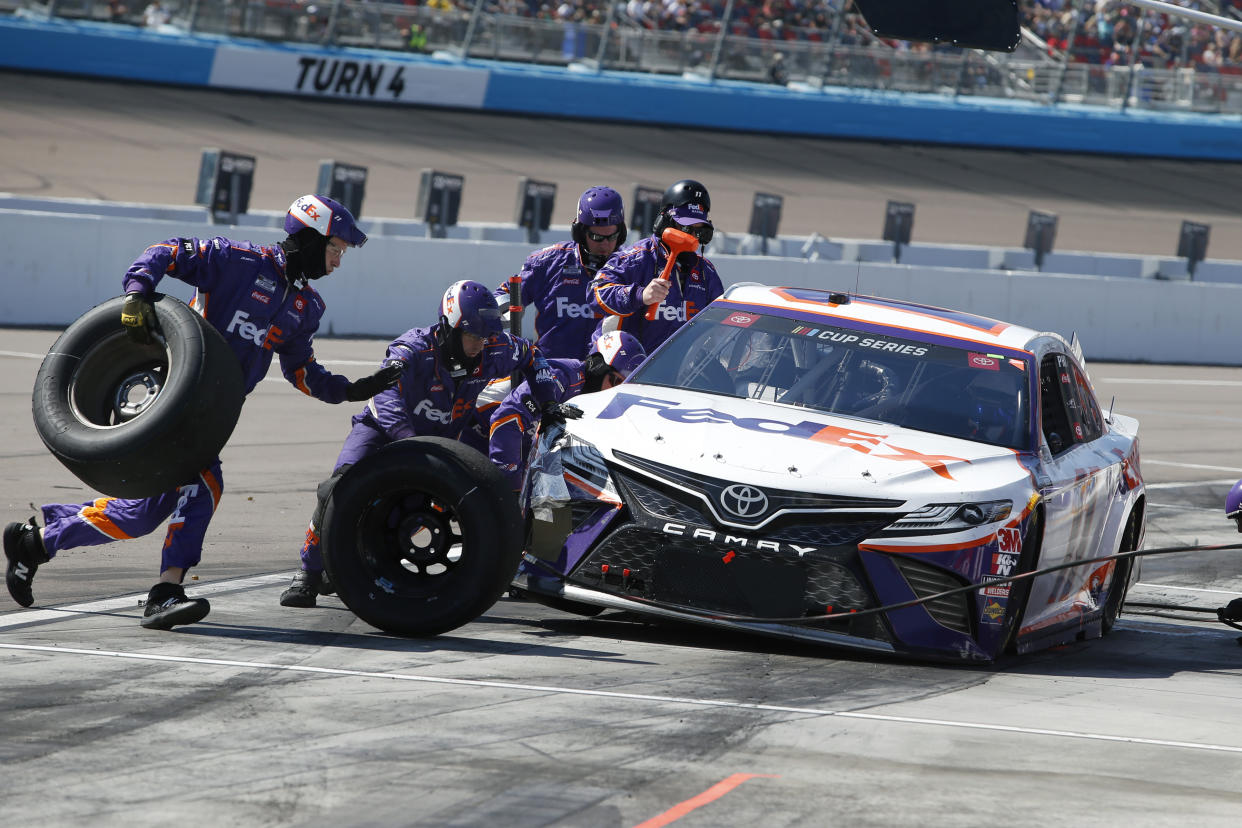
point(265, 715)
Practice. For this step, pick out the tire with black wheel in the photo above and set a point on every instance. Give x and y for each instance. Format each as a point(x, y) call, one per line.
point(422, 536)
point(133, 420)
point(1020, 591)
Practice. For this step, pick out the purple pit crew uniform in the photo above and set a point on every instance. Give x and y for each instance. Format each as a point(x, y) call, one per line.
point(243, 292)
point(515, 418)
point(428, 402)
point(556, 283)
point(617, 292)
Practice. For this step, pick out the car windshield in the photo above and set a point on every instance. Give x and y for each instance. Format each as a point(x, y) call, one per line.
point(865, 372)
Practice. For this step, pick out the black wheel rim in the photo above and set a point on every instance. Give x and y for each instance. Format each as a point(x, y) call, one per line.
point(411, 540)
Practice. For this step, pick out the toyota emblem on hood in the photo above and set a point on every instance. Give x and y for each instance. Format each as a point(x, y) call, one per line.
point(743, 501)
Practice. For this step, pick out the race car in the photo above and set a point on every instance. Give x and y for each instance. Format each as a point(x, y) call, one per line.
point(844, 469)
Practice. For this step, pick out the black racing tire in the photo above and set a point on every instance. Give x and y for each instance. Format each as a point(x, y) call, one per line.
point(133, 420)
point(422, 536)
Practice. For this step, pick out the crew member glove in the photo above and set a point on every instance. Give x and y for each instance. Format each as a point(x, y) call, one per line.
point(138, 318)
point(368, 387)
point(554, 412)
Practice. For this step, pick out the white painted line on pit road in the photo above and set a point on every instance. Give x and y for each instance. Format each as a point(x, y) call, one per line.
point(635, 697)
point(18, 619)
point(22, 354)
point(1229, 481)
point(1156, 381)
point(1149, 461)
point(1188, 589)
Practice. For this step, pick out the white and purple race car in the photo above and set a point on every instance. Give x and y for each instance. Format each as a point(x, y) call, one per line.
point(848, 470)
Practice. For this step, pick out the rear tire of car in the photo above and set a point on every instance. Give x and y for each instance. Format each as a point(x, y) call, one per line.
point(1020, 591)
point(422, 536)
point(133, 420)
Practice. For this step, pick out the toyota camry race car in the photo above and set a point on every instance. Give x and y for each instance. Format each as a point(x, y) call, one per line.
point(844, 469)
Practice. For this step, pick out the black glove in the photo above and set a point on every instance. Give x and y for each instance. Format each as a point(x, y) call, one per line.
point(554, 412)
point(368, 387)
point(138, 318)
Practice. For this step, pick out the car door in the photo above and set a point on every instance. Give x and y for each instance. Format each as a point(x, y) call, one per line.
point(1079, 474)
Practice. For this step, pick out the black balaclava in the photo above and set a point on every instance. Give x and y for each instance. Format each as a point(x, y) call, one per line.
point(595, 369)
point(305, 255)
point(451, 351)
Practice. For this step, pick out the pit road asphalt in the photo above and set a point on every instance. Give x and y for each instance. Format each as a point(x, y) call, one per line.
point(263, 715)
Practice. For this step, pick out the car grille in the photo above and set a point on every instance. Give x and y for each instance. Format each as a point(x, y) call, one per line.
point(818, 530)
point(952, 611)
point(658, 504)
point(710, 576)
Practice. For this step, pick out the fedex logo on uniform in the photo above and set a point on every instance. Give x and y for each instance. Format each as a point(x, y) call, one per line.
point(426, 409)
point(243, 327)
point(671, 314)
point(566, 309)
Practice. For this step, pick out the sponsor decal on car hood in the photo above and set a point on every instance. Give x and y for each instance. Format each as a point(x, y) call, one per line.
point(711, 433)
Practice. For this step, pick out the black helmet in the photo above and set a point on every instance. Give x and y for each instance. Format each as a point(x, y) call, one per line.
point(686, 203)
point(686, 191)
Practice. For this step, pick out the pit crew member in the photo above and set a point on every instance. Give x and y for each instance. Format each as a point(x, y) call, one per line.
point(556, 280)
point(442, 370)
point(628, 283)
point(259, 297)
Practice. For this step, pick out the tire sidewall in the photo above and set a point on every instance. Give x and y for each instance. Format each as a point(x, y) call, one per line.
point(490, 525)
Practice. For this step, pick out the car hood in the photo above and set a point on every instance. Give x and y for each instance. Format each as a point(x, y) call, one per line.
point(786, 447)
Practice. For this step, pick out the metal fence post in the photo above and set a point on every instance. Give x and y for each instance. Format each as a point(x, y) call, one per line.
point(1069, 53)
point(470, 28)
point(329, 34)
point(834, 40)
point(724, 31)
point(603, 37)
point(1135, 44)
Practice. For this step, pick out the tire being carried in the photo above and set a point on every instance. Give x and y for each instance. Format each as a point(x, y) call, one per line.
point(134, 420)
point(422, 536)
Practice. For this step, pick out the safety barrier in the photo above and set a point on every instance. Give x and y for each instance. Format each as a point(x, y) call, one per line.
point(1116, 317)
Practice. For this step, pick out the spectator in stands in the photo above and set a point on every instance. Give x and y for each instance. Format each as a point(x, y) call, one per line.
point(778, 72)
point(154, 15)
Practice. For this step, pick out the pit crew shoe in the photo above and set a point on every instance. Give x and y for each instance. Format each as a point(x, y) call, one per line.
point(23, 549)
point(168, 606)
point(302, 591)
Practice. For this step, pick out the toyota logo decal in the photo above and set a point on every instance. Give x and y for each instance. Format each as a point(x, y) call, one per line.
point(743, 501)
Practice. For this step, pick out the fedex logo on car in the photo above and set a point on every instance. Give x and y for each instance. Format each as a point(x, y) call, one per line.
point(863, 442)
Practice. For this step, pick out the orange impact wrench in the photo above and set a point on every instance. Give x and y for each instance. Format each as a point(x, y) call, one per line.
point(677, 242)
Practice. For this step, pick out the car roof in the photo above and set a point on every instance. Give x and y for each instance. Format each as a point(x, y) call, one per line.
point(891, 313)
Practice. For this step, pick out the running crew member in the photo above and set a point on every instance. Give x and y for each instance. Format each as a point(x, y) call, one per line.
point(259, 298)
